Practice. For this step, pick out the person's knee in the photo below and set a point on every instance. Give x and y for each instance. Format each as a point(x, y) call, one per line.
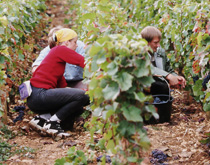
point(86, 100)
point(159, 88)
point(82, 97)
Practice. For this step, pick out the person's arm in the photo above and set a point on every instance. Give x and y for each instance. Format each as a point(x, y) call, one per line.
point(73, 72)
point(168, 72)
point(70, 56)
point(182, 81)
point(81, 48)
point(40, 58)
point(159, 72)
point(173, 79)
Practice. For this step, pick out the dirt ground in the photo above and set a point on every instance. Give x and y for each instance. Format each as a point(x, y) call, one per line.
point(179, 139)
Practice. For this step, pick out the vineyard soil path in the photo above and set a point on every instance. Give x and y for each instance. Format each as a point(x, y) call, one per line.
point(179, 139)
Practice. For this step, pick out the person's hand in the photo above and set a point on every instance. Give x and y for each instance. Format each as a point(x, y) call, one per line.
point(34, 68)
point(182, 81)
point(173, 80)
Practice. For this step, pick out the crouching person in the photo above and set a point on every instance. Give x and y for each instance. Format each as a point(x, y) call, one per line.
point(50, 98)
point(163, 74)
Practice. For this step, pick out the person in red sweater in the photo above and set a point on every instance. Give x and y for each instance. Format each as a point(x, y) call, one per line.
point(49, 92)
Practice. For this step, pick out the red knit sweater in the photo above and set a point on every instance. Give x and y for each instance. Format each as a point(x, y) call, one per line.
point(50, 72)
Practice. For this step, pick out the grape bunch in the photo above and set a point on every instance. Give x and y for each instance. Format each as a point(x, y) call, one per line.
point(18, 108)
point(107, 157)
point(20, 116)
point(158, 157)
point(157, 100)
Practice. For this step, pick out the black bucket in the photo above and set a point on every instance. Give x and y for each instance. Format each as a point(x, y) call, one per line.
point(163, 103)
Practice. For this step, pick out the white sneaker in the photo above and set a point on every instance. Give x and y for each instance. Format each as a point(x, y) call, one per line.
point(54, 129)
point(37, 123)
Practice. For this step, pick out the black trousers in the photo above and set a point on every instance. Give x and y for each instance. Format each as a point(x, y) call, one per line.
point(63, 102)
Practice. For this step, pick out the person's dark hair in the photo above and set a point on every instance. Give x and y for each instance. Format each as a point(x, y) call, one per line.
point(51, 42)
point(149, 32)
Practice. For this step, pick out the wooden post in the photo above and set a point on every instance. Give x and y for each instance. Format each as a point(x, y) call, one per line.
point(208, 115)
point(3, 107)
point(189, 98)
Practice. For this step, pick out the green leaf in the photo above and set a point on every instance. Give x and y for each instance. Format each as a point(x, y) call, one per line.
point(207, 134)
point(126, 129)
point(144, 143)
point(132, 114)
point(151, 109)
point(141, 72)
point(13, 19)
point(97, 111)
point(103, 83)
point(132, 159)
point(205, 141)
point(80, 153)
point(111, 91)
point(109, 113)
point(201, 49)
point(87, 73)
point(95, 49)
point(124, 80)
point(141, 68)
point(101, 60)
point(93, 84)
point(98, 92)
point(61, 161)
point(94, 66)
point(90, 16)
point(112, 68)
point(111, 146)
point(103, 40)
point(1, 30)
point(140, 96)
point(101, 144)
point(146, 81)
point(21, 57)
point(197, 88)
point(207, 97)
point(104, 8)
point(108, 135)
point(199, 38)
point(115, 105)
point(2, 59)
point(192, 8)
point(206, 107)
point(71, 150)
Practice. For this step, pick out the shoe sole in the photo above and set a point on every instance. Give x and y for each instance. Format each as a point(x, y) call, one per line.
point(54, 134)
point(38, 129)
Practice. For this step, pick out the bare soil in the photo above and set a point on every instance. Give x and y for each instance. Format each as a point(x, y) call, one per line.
point(179, 139)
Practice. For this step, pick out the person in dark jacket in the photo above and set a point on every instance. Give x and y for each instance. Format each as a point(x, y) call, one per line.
point(163, 73)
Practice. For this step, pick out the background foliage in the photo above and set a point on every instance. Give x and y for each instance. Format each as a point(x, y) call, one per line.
point(18, 20)
point(118, 69)
point(107, 28)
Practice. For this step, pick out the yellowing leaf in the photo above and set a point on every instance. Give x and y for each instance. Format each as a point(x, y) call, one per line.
point(4, 20)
